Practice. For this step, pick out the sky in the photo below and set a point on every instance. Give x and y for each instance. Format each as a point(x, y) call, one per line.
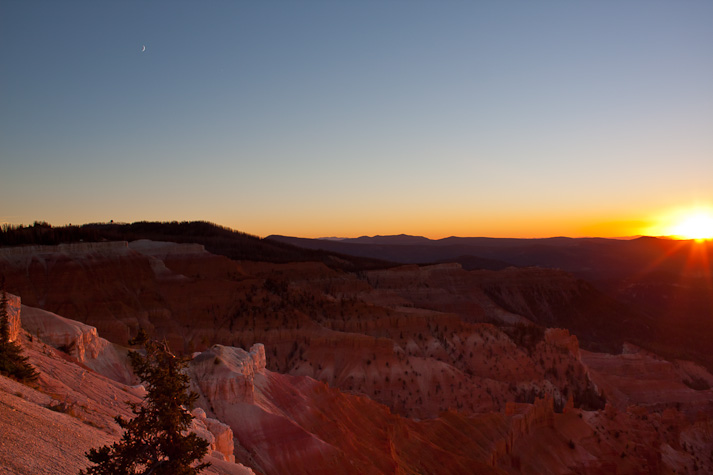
point(349, 118)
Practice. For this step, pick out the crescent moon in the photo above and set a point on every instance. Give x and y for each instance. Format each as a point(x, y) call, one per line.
point(143, 48)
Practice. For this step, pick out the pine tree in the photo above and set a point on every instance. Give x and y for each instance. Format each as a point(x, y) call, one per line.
point(12, 362)
point(154, 441)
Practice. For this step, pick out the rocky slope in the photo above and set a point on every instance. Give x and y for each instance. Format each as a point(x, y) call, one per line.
point(13, 315)
point(409, 370)
point(79, 340)
point(46, 429)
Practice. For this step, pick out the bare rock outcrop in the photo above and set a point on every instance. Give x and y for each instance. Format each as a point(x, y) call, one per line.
point(225, 375)
point(79, 340)
point(639, 377)
point(218, 435)
point(13, 314)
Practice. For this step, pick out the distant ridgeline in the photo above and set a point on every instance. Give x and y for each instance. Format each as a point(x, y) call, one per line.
point(42, 233)
point(216, 239)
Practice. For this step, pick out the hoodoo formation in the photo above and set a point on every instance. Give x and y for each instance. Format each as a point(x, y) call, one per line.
point(312, 366)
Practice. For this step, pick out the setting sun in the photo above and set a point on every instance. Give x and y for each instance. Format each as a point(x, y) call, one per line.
point(698, 225)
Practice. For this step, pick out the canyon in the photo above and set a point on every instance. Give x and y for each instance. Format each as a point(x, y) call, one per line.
point(309, 367)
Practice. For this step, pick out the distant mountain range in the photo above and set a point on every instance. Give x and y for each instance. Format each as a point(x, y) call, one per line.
point(596, 259)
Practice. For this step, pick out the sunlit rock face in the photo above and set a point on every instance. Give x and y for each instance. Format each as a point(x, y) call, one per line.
point(225, 375)
point(218, 435)
point(287, 424)
point(78, 340)
point(13, 314)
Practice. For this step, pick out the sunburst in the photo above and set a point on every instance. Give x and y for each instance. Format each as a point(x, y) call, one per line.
point(697, 225)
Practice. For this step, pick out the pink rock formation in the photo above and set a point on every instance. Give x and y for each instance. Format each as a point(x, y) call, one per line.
point(225, 374)
point(78, 340)
point(297, 425)
point(13, 314)
point(219, 435)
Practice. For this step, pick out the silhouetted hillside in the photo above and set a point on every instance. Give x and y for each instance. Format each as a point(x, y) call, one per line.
point(598, 260)
point(216, 239)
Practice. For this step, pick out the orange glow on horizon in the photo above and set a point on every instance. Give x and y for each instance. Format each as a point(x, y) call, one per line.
point(491, 225)
point(695, 223)
point(698, 227)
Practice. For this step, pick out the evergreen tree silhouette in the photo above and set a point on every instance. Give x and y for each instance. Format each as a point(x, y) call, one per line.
point(154, 441)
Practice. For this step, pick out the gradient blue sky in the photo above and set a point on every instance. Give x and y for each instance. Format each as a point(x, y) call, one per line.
point(335, 118)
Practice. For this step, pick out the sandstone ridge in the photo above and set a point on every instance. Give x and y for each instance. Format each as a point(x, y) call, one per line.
point(13, 316)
